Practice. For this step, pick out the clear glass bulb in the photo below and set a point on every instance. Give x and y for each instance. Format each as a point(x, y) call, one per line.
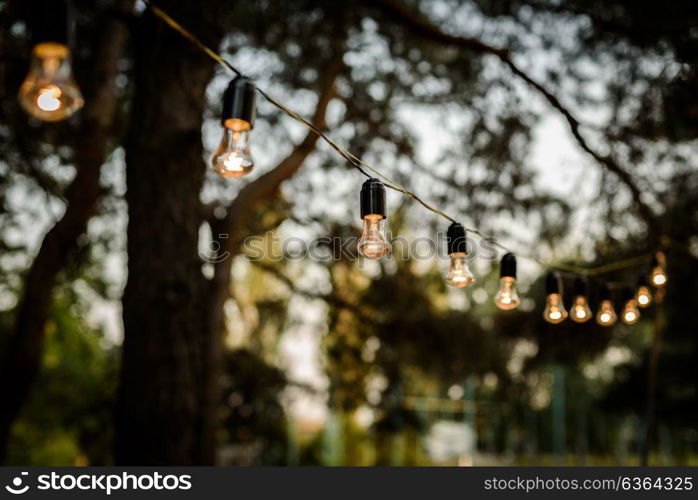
point(232, 158)
point(581, 312)
point(631, 314)
point(606, 315)
point(49, 91)
point(658, 276)
point(643, 296)
point(373, 243)
point(507, 297)
point(554, 311)
point(458, 273)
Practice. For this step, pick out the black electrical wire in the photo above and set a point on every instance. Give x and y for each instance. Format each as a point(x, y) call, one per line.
point(362, 166)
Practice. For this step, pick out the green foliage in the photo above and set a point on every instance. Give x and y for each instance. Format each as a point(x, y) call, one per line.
point(254, 421)
point(68, 419)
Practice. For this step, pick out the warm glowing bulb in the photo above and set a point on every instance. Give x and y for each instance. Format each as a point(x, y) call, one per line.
point(458, 273)
point(373, 243)
point(49, 98)
point(631, 314)
point(606, 316)
point(643, 296)
point(581, 312)
point(658, 276)
point(507, 297)
point(233, 158)
point(49, 91)
point(554, 311)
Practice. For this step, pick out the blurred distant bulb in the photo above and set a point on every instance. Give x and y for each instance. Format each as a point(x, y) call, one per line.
point(233, 159)
point(554, 311)
point(643, 294)
point(658, 276)
point(606, 315)
point(631, 314)
point(458, 273)
point(49, 91)
point(580, 312)
point(507, 297)
point(373, 243)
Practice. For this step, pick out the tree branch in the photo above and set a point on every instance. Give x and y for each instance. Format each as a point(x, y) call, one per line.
point(331, 298)
point(423, 27)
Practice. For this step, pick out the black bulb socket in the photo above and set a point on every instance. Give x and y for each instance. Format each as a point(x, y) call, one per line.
point(553, 284)
point(455, 239)
point(604, 293)
point(239, 106)
point(507, 267)
point(373, 198)
point(49, 21)
point(580, 287)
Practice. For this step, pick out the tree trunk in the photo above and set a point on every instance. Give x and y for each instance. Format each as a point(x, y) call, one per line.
point(23, 357)
point(165, 409)
point(652, 374)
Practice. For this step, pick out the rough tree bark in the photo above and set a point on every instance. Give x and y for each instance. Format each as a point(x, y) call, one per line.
point(164, 411)
point(23, 356)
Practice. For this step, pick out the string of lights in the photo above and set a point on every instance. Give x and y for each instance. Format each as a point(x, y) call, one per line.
point(389, 183)
point(50, 93)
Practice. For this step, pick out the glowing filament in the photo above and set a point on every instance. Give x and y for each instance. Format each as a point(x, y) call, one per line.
point(458, 273)
point(373, 243)
point(49, 98)
point(606, 315)
point(554, 311)
point(507, 296)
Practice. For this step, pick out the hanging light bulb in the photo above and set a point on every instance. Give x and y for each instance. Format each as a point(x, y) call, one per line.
point(643, 294)
point(458, 273)
point(507, 297)
point(233, 158)
point(373, 243)
point(658, 275)
point(554, 311)
point(580, 312)
point(606, 315)
point(49, 91)
point(631, 314)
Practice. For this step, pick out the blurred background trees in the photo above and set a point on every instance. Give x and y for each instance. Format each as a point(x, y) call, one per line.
point(565, 130)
